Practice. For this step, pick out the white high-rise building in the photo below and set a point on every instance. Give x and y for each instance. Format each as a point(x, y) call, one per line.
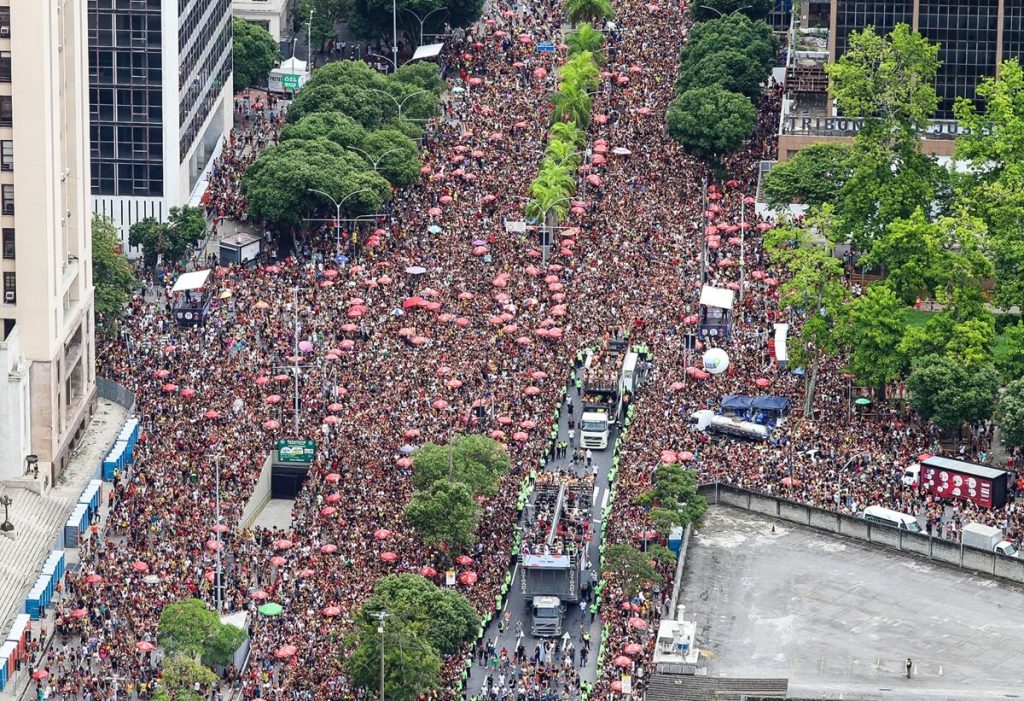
point(160, 103)
point(47, 347)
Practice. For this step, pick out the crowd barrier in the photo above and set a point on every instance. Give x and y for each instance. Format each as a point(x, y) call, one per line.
point(920, 544)
point(41, 594)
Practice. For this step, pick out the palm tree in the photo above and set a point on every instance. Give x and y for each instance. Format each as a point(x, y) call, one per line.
point(553, 180)
point(585, 38)
point(580, 71)
point(588, 10)
point(572, 104)
point(561, 153)
point(548, 207)
point(569, 133)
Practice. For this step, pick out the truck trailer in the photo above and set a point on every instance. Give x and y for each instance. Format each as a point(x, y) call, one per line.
point(948, 478)
point(609, 380)
point(554, 550)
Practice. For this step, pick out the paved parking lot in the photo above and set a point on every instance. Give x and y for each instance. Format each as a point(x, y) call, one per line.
point(839, 618)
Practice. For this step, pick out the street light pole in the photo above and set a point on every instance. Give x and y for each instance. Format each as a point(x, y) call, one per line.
point(394, 57)
point(398, 104)
point(337, 218)
point(218, 582)
point(309, 41)
point(425, 18)
point(743, 240)
point(381, 616)
point(296, 353)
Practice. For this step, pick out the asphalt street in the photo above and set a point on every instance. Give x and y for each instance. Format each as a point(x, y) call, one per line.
point(574, 623)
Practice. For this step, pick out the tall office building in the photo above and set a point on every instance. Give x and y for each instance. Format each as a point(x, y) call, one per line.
point(974, 37)
point(160, 102)
point(47, 351)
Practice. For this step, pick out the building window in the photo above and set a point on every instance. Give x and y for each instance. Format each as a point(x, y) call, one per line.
point(7, 198)
point(5, 66)
point(6, 111)
point(10, 288)
point(8, 244)
point(6, 155)
point(5, 22)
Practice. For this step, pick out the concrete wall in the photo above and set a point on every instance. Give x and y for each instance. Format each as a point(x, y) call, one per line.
point(916, 544)
point(260, 495)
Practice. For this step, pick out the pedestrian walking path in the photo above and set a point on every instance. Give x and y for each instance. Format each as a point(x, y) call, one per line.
point(38, 519)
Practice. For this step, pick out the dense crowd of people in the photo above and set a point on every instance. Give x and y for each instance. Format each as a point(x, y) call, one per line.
point(382, 356)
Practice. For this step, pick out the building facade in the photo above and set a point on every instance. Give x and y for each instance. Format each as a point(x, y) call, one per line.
point(47, 348)
point(160, 103)
point(272, 15)
point(974, 37)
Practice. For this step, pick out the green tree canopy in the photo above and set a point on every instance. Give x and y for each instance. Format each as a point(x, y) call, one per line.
point(395, 155)
point(112, 273)
point(710, 9)
point(180, 675)
point(333, 126)
point(950, 393)
point(277, 185)
point(422, 75)
point(629, 568)
point(325, 14)
point(966, 341)
point(474, 460)
point(254, 52)
point(993, 144)
point(1011, 361)
point(445, 515)
point(1010, 413)
point(588, 10)
point(814, 176)
point(190, 629)
point(445, 618)
point(711, 121)
point(815, 289)
point(673, 500)
point(585, 39)
point(737, 32)
point(172, 240)
point(875, 326)
point(730, 68)
point(572, 104)
point(889, 79)
point(411, 664)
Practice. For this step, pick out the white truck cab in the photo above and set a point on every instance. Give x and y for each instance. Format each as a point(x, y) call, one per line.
point(594, 429)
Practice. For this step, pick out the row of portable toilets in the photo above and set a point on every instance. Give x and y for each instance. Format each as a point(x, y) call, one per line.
point(120, 455)
point(12, 650)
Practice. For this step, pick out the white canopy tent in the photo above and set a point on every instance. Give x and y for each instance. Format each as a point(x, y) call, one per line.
point(427, 51)
point(715, 311)
point(191, 281)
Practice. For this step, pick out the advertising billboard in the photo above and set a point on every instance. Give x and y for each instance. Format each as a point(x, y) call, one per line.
point(948, 478)
point(300, 451)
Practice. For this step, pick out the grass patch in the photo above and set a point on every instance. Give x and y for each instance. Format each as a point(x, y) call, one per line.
point(917, 317)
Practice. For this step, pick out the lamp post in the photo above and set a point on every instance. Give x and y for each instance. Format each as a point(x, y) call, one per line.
point(722, 14)
point(425, 18)
point(373, 161)
point(391, 97)
point(218, 582)
point(6, 526)
point(337, 225)
point(394, 59)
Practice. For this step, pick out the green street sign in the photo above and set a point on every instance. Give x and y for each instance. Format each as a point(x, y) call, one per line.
point(290, 81)
point(289, 450)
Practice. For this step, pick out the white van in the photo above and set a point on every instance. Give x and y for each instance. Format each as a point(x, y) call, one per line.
point(911, 475)
point(888, 517)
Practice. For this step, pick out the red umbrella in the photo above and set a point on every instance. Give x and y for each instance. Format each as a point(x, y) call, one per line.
point(273, 399)
point(277, 561)
point(668, 457)
point(439, 404)
point(520, 437)
point(93, 579)
point(531, 391)
point(188, 393)
point(328, 511)
point(285, 651)
point(791, 482)
point(331, 611)
point(170, 388)
point(389, 556)
point(283, 544)
point(633, 649)
point(40, 674)
point(306, 573)
point(213, 545)
point(144, 646)
point(428, 572)
point(140, 566)
point(211, 414)
point(328, 548)
point(332, 477)
point(638, 623)
point(617, 685)
point(79, 614)
point(464, 560)
point(924, 456)
point(382, 534)
point(467, 578)
point(685, 456)
point(623, 661)
point(762, 382)
point(221, 528)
